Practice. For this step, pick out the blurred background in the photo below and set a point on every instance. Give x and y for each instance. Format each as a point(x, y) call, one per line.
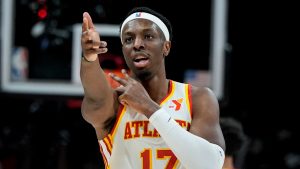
point(242, 50)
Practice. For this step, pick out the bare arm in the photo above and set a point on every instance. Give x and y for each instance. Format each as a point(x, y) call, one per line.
point(205, 121)
point(204, 139)
point(98, 105)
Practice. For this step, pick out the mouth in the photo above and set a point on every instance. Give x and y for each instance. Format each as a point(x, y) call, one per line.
point(140, 61)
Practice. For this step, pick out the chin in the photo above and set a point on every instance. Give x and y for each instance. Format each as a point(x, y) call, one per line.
point(143, 74)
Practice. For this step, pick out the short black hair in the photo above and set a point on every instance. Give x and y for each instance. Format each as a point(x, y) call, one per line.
point(155, 13)
point(234, 135)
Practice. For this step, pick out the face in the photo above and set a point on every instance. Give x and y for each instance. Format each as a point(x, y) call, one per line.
point(144, 48)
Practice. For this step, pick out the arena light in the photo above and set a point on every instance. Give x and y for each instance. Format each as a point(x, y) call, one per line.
point(42, 13)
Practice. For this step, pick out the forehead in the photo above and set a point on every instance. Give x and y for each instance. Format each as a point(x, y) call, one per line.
point(140, 24)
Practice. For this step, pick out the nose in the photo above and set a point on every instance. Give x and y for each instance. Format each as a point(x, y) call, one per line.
point(139, 43)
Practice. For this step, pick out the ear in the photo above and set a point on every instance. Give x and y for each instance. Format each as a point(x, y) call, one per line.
point(167, 47)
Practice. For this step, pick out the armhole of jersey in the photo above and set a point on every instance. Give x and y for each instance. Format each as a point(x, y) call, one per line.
point(120, 114)
point(104, 152)
point(188, 94)
point(106, 144)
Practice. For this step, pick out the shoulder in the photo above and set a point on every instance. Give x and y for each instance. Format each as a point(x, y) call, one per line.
point(198, 91)
point(200, 95)
point(203, 93)
point(204, 101)
point(205, 110)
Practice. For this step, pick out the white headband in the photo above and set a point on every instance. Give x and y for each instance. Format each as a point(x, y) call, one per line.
point(154, 19)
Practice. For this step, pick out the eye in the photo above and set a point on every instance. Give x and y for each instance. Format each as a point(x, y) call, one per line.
point(128, 40)
point(148, 36)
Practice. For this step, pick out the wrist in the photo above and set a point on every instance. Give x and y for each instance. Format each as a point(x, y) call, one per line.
point(154, 108)
point(88, 60)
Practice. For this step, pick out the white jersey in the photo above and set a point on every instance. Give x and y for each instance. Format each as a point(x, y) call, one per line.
point(133, 142)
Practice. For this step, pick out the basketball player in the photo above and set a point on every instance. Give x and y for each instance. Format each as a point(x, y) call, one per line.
point(149, 121)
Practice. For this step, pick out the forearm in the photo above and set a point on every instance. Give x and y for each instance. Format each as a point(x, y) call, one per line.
point(94, 81)
point(193, 152)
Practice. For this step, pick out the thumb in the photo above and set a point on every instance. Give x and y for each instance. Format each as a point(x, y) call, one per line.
point(120, 90)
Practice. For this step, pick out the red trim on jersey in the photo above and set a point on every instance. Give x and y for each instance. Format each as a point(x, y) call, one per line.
point(121, 108)
point(170, 92)
point(190, 100)
point(103, 156)
point(108, 146)
point(109, 140)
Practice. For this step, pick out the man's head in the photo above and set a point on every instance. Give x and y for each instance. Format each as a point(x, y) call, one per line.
point(146, 40)
point(233, 134)
point(152, 15)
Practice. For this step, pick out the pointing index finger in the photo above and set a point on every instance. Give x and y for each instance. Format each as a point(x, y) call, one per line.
point(118, 79)
point(125, 73)
point(85, 26)
point(89, 20)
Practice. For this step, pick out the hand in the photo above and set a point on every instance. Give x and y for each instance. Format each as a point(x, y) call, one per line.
point(90, 39)
point(134, 95)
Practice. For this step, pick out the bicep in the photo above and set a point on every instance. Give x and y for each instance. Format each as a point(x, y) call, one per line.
point(205, 122)
point(98, 114)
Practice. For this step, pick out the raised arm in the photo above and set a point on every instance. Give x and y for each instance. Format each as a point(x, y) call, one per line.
point(98, 105)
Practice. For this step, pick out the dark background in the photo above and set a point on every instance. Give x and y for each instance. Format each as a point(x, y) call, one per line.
point(38, 131)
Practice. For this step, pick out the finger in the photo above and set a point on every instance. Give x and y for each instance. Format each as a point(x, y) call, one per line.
point(91, 44)
point(90, 37)
point(122, 97)
point(95, 51)
point(95, 44)
point(120, 90)
point(122, 101)
point(85, 26)
point(103, 44)
point(125, 73)
point(128, 78)
point(118, 79)
point(90, 21)
point(102, 50)
point(98, 45)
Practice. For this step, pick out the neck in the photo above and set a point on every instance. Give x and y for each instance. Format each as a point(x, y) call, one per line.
point(228, 163)
point(157, 88)
point(155, 84)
